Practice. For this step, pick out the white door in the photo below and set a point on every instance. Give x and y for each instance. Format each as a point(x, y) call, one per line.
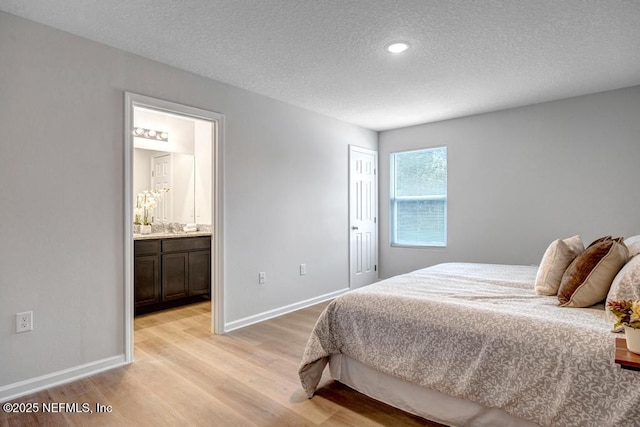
point(363, 216)
point(161, 180)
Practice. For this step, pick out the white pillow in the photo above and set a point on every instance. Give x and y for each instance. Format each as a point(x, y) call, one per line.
point(626, 285)
point(554, 262)
point(633, 244)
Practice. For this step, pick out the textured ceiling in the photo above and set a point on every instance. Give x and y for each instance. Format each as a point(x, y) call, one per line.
point(328, 56)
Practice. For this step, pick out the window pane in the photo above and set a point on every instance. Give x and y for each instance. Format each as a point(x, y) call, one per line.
point(420, 173)
point(419, 197)
point(420, 222)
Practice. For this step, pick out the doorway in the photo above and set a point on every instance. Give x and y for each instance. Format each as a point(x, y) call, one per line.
point(363, 216)
point(209, 147)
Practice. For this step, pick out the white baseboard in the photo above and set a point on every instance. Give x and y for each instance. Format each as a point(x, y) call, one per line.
point(21, 388)
point(241, 323)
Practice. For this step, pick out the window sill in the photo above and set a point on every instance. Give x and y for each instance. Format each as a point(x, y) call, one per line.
point(400, 245)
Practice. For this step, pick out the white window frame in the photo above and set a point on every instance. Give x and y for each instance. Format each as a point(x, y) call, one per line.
point(393, 199)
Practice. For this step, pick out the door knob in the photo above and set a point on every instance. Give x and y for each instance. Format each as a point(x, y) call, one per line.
point(354, 227)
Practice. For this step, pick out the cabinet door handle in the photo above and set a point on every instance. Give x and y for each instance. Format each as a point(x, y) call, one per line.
point(354, 227)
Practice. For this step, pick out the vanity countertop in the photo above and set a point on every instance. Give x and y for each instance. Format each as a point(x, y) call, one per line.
point(171, 235)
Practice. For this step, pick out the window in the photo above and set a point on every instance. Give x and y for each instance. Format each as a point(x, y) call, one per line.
point(419, 197)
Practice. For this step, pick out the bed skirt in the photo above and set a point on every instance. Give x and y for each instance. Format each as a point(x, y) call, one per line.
point(417, 400)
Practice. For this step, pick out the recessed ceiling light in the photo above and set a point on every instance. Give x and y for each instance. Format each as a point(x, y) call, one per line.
point(398, 47)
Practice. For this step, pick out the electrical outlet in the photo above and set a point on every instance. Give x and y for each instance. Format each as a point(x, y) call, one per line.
point(262, 277)
point(24, 322)
point(303, 269)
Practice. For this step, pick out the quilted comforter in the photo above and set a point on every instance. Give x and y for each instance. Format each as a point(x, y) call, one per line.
point(479, 332)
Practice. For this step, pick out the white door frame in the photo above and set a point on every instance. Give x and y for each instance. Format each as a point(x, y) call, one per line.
point(352, 149)
point(217, 254)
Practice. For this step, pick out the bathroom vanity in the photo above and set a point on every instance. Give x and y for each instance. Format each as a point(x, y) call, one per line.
point(171, 270)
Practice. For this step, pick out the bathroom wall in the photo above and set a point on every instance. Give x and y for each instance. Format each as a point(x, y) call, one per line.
point(180, 131)
point(203, 182)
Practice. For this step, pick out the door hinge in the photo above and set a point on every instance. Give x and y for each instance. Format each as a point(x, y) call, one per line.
point(375, 268)
point(375, 219)
point(153, 174)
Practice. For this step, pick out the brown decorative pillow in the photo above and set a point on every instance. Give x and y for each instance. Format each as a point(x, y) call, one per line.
point(600, 240)
point(554, 262)
point(588, 278)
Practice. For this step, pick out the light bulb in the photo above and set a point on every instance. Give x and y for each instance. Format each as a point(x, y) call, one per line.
point(397, 47)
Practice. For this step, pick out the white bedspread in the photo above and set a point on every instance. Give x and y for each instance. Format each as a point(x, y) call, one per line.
point(479, 332)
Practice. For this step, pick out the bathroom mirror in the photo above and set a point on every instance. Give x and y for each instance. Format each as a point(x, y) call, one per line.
point(174, 152)
point(172, 171)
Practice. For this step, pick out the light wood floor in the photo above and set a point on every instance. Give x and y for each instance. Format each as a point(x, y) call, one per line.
point(183, 375)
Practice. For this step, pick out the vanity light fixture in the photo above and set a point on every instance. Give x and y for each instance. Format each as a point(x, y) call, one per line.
point(397, 47)
point(150, 134)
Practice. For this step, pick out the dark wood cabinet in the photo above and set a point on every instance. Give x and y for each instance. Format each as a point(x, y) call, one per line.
point(147, 279)
point(146, 268)
point(175, 276)
point(170, 272)
point(199, 272)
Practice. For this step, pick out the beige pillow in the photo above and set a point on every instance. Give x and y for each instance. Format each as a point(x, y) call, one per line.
point(554, 262)
point(625, 286)
point(588, 278)
point(633, 244)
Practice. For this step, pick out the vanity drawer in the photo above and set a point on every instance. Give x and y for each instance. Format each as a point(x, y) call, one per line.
point(186, 244)
point(146, 247)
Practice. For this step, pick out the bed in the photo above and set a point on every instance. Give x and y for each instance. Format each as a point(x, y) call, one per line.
point(472, 344)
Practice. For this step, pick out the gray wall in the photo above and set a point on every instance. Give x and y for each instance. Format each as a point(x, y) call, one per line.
point(520, 178)
point(61, 212)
